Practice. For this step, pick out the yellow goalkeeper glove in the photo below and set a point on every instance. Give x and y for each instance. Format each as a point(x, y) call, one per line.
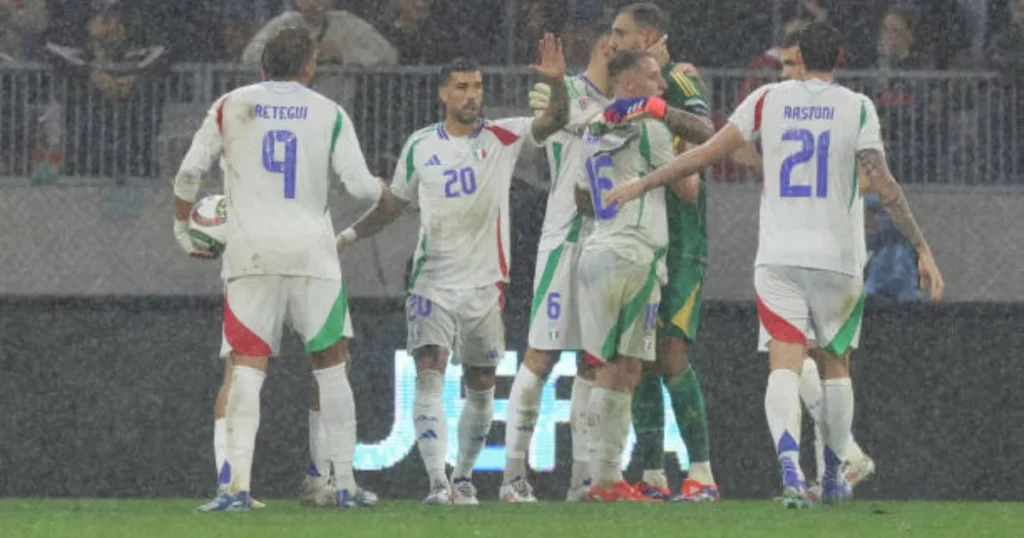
point(540, 97)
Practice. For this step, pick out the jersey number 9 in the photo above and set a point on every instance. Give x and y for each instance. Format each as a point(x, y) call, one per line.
point(599, 184)
point(286, 167)
point(806, 153)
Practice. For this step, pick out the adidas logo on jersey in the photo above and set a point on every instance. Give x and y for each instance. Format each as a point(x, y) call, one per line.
point(434, 161)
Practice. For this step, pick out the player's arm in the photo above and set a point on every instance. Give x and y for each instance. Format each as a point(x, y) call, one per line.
point(874, 176)
point(205, 149)
point(552, 66)
point(748, 157)
point(688, 126)
point(387, 209)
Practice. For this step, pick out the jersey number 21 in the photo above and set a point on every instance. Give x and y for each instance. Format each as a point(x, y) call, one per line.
point(806, 153)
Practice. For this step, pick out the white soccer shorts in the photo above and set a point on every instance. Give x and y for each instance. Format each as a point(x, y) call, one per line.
point(554, 314)
point(256, 309)
point(618, 302)
point(795, 304)
point(468, 322)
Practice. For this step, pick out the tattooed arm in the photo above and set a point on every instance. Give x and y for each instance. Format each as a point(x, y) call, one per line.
point(875, 177)
point(690, 127)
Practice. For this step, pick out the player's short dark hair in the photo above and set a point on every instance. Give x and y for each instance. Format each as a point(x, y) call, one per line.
point(458, 65)
point(624, 60)
point(286, 53)
point(790, 40)
point(648, 15)
point(820, 44)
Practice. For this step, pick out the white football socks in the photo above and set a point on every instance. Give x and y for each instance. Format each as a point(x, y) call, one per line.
point(810, 394)
point(578, 410)
point(474, 425)
point(338, 417)
point(220, 450)
point(319, 463)
point(613, 412)
point(243, 419)
point(523, 408)
point(782, 408)
point(431, 425)
point(838, 420)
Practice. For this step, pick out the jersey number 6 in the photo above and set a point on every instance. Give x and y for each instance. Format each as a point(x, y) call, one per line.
point(599, 184)
point(806, 137)
point(286, 166)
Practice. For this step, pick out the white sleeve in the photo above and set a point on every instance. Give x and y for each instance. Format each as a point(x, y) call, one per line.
point(662, 147)
point(747, 116)
point(405, 183)
point(348, 161)
point(870, 136)
point(522, 127)
point(207, 145)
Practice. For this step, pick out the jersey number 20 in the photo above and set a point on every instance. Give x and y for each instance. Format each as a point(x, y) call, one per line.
point(806, 153)
point(286, 166)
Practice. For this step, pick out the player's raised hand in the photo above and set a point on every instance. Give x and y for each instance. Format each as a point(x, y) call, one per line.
point(552, 60)
point(660, 51)
point(540, 98)
point(626, 109)
point(631, 189)
point(184, 241)
point(931, 277)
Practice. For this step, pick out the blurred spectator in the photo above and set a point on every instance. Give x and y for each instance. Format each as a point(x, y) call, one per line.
point(905, 105)
point(891, 272)
point(343, 38)
point(1006, 55)
point(114, 97)
point(412, 26)
point(236, 29)
point(21, 25)
point(771, 60)
point(537, 17)
point(1006, 50)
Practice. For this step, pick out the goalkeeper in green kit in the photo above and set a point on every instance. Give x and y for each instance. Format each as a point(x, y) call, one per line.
point(637, 27)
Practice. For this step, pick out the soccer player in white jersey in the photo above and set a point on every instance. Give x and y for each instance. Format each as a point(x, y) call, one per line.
point(459, 173)
point(620, 269)
point(857, 466)
point(554, 315)
point(279, 141)
point(815, 135)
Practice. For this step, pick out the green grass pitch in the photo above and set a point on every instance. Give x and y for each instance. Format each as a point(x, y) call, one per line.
point(87, 518)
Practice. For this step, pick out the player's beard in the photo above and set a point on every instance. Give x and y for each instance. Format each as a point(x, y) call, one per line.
point(467, 117)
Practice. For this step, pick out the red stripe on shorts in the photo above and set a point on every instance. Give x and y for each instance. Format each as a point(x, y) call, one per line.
point(778, 328)
point(593, 360)
point(240, 338)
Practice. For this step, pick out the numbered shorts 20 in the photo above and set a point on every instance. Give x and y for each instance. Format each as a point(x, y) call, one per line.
point(468, 322)
point(794, 301)
point(256, 309)
point(554, 314)
point(618, 302)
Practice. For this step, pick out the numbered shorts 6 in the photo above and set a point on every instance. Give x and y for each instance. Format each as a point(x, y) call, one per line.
point(618, 302)
point(256, 309)
point(796, 304)
point(554, 314)
point(468, 322)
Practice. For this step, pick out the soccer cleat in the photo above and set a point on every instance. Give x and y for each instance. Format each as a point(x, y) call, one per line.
point(857, 471)
point(579, 493)
point(619, 492)
point(694, 491)
point(360, 499)
point(440, 494)
point(834, 487)
point(517, 491)
point(225, 502)
point(464, 492)
point(652, 492)
point(312, 489)
point(795, 497)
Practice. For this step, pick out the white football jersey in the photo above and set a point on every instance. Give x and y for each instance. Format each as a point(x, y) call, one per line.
point(461, 186)
point(278, 142)
point(566, 154)
point(812, 214)
point(638, 229)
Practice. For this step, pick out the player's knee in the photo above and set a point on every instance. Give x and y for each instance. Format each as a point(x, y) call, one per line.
point(478, 378)
point(540, 362)
point(334, 355)
point(833, 367)
point(434, 358)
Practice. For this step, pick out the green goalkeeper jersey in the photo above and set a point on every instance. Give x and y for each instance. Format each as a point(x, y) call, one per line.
point(687, 221)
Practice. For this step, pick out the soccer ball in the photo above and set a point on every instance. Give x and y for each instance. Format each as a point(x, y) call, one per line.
point(207, 226)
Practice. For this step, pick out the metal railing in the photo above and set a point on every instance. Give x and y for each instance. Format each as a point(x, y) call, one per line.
point(941, 128)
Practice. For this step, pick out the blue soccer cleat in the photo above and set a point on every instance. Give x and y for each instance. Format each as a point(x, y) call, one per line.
point(225, 502)
point(361, 498)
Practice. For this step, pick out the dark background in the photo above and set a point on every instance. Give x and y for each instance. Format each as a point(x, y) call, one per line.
point(113, 397)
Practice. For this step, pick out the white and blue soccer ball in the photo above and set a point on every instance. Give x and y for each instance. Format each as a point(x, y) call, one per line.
point(207, 226)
